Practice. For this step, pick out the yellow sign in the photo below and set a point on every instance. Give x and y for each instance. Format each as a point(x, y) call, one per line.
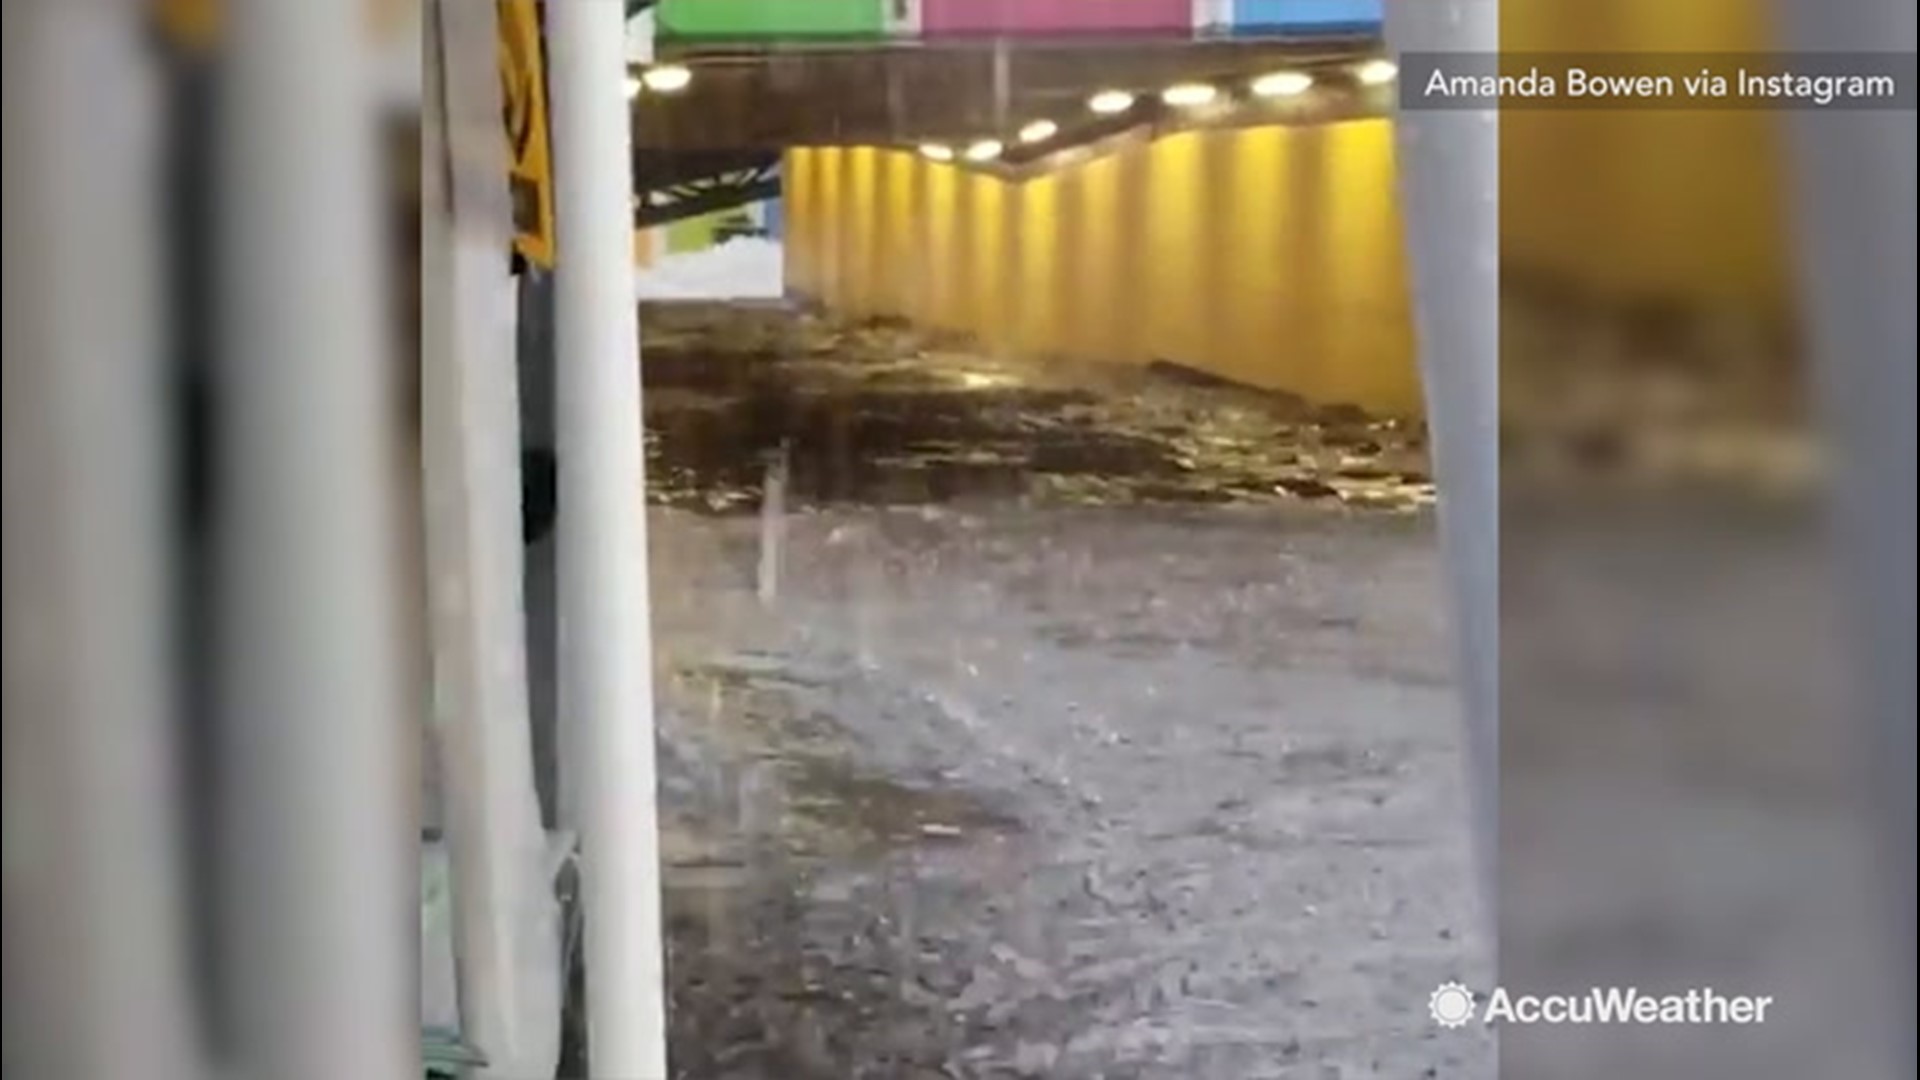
point(523, 85)
point(194, 25)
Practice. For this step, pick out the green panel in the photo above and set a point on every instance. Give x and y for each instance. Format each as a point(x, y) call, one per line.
point(764, 19)
point(692, 234)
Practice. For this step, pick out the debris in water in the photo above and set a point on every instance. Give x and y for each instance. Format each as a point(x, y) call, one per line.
point(874, 412)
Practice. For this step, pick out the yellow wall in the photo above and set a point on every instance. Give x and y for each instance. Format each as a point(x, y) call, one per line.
point(1274, 254)
point(1270, 255)
point(1686, 204)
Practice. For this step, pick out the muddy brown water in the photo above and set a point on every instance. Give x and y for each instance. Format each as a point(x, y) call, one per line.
point(879, 420)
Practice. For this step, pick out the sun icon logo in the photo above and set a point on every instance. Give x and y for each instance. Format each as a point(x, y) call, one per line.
point(1451, 1005)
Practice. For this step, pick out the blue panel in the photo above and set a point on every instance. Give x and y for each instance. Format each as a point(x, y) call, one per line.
point(775, 221)
point(1305, 16)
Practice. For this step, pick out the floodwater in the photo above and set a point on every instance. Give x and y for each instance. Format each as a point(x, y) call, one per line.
point(875, 412)
point(1071, 744)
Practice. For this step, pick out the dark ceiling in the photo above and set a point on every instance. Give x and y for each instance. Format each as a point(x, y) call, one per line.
point(909, 94)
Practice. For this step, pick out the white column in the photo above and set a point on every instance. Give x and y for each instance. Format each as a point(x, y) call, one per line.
point(320, 855)
point(1856, 177)
point(1449, 166)
point(95, 970)
point(606, 680)
point(507, 934)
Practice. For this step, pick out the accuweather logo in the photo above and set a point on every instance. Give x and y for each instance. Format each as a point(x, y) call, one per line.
point(1452, 1005)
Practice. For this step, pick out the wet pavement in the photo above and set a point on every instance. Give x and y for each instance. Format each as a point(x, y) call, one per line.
point(1075, 742)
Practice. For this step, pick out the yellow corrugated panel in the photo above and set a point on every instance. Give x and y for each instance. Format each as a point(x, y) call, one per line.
point(1269, 255)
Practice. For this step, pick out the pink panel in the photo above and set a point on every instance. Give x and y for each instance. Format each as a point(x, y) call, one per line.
point(1055, 16)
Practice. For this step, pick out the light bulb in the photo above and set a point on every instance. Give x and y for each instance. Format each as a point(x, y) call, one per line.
point(1038, 131)
point(984, 150)
point(668, 79)
point(1282, 84)
point(1377, 72)
point(1189, 95)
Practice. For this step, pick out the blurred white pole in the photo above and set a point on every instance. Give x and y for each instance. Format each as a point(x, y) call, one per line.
point(320, 865)
point(506, 913)
point(1856, 230)
point(606, 651)
point(95, 958)
point(773, 524)
point(1449, 164)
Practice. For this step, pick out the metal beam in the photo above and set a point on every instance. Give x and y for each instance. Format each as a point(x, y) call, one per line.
point(607, 706)
point(718, 197)
point(660, 169)
point(507, 933)
point(322, 870)
point(96, 974)
point(1449, 169)
point(1856, 173)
